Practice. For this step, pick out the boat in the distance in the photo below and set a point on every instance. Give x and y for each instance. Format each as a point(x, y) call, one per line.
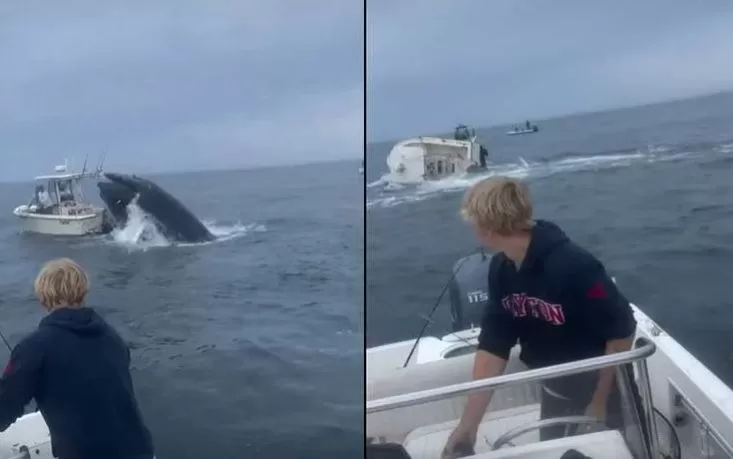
point(361, 168)
point(416, 391)
point(58, 206)
point(527, 128)
point(422, 159)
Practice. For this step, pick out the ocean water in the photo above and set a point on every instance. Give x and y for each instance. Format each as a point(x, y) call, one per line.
point(649, 190)
point(250, 346)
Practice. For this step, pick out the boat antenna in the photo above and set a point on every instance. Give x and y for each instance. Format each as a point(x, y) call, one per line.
point(101, 163)
point(7, 344)
point(429, 318)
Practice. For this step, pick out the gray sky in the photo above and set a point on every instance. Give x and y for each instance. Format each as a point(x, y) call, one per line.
point(434, 63)
point(179, 84)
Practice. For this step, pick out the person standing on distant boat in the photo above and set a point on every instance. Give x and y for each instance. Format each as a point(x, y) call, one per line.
point(529, 126)
point(551, 296)
point(76, 367)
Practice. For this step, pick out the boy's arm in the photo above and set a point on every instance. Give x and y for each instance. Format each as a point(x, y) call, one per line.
point(607, 314)
point(19, 380)
point(498, 336)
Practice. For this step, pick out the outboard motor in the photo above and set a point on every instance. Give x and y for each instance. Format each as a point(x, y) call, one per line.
point(469, 290)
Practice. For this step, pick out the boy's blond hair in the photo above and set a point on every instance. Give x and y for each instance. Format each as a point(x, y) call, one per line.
point(498, 204)
point(61, 282)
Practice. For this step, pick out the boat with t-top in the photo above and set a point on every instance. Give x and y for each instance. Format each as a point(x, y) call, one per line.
point(58, 206)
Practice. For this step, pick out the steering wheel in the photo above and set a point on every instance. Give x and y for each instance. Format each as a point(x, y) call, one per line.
point(542, 423)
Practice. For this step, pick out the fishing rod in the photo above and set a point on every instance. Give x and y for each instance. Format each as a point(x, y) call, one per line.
point(429, 318)
point(23, 450)
point(7, 344)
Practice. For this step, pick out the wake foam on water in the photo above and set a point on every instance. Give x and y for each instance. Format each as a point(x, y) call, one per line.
point(140, 232)
point(390, 195)
point(724, 148)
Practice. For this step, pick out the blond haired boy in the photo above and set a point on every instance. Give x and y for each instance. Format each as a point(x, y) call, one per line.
point(551, 296)
point(76, 367)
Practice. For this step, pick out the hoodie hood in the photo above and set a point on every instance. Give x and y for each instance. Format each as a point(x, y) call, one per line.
point(546, 236)
point(82, 321)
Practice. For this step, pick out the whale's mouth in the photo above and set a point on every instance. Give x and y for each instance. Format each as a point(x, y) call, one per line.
point(117, 194)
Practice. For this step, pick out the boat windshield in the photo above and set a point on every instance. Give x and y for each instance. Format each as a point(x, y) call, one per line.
point(65, 189)
point(533, 413)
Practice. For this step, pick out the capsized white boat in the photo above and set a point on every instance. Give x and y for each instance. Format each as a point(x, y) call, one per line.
point(416, 391)
point(58, 206)
point(422, 159)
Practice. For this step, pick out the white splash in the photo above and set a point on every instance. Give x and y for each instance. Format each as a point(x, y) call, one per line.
point(141, 233)
point(521, 169)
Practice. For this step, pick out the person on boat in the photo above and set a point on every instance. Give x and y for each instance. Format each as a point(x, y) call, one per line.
point(483, 154)
point(554, 298)
point(35, 200)
point(529, 126)
point(44, 200)
point(65, 193)
point(76, 367)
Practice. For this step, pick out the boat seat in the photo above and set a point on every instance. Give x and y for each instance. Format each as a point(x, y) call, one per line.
point(428, 442)
point(386, 451)
point(608, 444)
point(31, 431)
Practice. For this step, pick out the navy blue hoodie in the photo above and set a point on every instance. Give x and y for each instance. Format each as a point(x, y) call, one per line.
point(560, 305)
point(76, 367)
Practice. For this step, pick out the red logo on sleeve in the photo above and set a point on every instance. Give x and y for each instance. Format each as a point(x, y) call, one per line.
point(597, 291)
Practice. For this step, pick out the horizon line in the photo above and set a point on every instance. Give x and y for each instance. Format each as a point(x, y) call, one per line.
point(237, 168)
point(575, 114)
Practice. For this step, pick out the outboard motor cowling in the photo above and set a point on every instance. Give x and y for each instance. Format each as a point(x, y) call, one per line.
point(469, 291)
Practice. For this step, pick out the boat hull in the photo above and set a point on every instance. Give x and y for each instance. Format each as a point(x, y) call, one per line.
point(523, 132)
point(58, 225)
point(428, 159)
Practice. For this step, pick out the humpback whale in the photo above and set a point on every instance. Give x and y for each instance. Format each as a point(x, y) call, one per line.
point(171, 217)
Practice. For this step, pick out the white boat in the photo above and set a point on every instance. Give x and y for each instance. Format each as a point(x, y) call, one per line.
point(423, 159)
point(414, 399)
point(65, 211)
point(528, 130)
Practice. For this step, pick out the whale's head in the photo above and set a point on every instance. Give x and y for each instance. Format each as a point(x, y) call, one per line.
point(118, 193)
